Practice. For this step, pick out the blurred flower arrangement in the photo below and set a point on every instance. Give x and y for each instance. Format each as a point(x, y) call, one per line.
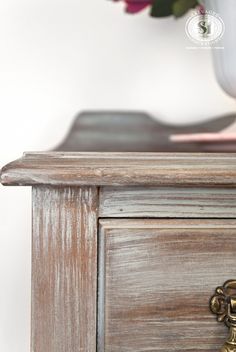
point(162, 8)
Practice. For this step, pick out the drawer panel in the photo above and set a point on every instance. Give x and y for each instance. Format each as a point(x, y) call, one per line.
point(155, 281)
point(162, 202)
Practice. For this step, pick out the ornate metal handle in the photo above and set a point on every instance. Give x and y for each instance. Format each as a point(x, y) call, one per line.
point(223, 304)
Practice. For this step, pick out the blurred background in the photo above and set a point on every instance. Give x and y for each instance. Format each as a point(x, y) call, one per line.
point(59, 57)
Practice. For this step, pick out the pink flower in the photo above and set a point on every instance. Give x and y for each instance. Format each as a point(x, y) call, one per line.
point(134, 6)
point(201, 9)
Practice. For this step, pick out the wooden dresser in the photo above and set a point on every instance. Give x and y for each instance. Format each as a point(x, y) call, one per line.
point(129, 250)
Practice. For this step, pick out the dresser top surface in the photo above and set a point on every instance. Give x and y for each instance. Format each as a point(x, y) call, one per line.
point(121, 169)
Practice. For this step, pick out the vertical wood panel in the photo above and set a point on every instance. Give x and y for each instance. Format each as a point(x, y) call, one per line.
point(64, 269)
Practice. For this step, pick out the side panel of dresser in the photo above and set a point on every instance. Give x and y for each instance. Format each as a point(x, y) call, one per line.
point(64, 269)
point(155, 281)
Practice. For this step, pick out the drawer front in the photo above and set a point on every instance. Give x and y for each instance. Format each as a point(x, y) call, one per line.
point(155, 281)
point(167, 202)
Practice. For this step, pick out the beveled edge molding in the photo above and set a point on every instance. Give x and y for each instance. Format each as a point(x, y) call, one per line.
point(122, 169)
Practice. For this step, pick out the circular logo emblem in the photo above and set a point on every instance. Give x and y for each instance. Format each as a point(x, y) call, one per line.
point(205, 29)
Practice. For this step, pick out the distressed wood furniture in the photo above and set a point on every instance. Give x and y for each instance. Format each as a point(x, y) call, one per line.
point(128, 248)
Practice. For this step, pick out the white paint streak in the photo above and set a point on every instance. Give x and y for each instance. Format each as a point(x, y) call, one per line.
point(64, 269)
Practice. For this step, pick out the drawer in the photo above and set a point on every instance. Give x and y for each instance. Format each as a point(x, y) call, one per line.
point(155, 281)
point(167, 202)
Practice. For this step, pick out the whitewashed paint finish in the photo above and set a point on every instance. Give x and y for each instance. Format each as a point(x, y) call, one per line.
point(153, 202)
point(127, 169)
point(134, 254)
point(64, 269)
point(157, 278)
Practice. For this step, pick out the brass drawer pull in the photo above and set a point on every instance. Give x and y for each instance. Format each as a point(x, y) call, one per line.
point(223, 304)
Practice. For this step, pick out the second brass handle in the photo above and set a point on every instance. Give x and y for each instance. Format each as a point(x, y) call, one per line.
point(223, 304)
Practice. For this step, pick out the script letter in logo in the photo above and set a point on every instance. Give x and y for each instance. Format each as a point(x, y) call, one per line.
point(204, 28)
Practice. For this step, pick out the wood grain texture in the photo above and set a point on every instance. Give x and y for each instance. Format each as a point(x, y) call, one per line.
point(122, 131)
point(100, 169)
point(158, 277)
point(153, 202)
point(64, 269)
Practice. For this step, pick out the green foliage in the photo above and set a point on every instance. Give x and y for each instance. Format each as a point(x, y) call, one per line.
point(180, 7)
point(163, 8)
